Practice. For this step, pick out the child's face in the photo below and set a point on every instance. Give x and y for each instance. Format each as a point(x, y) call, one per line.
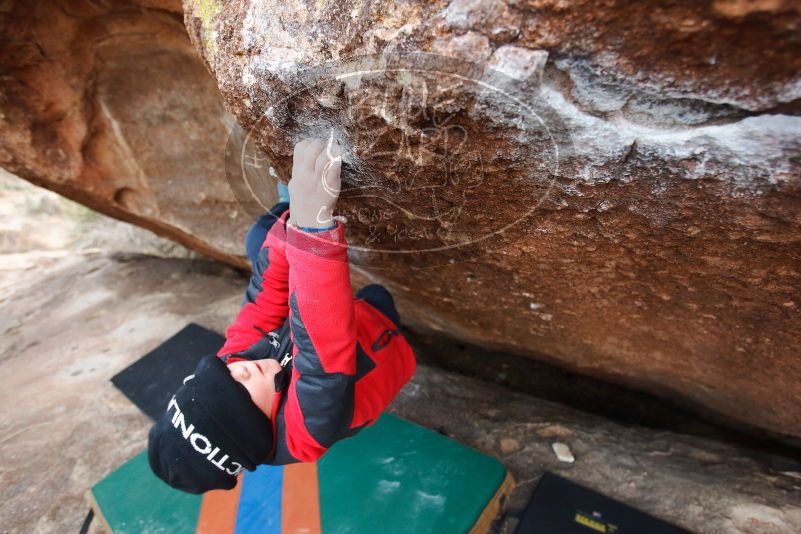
point(258, 377)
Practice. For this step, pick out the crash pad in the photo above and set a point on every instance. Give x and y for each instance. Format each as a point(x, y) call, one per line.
point(393, 477)
point(559, 505)
point(153, 379)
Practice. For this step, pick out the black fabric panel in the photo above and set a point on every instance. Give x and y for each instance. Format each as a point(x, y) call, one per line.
point(381, 299)
point(282, 456)
point(327, 404)
point(310, 363)
point(364, 364)
point(269, 346)
point(257, 276)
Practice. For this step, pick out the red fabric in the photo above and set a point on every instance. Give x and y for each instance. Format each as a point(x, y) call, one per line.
point(313, 269)
point(319, 278)
point(270, 308)
point(395, 365)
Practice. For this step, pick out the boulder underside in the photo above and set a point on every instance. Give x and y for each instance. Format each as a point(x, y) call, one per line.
point(615, 188)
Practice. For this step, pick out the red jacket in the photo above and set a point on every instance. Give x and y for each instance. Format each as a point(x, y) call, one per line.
point(348, 359)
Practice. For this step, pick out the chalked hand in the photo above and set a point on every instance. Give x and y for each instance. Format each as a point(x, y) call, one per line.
point(315, 184)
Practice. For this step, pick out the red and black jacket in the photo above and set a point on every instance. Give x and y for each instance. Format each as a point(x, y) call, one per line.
point(348, 360)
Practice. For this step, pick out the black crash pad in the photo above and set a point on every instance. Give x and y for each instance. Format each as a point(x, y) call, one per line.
point(152, 380)
point(559, 505)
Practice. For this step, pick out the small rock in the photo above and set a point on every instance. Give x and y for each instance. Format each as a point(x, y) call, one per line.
point(563, 452)
point(509, 446)
point(471, 46)
point(554, 431)
point(519, 63)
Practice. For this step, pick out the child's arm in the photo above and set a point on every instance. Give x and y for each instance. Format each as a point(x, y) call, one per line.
point(265, 307)
point(320, 403)
point(319, 406)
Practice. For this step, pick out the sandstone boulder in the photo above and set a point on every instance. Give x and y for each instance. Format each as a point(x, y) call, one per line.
point(108, 104)
point(611, 187)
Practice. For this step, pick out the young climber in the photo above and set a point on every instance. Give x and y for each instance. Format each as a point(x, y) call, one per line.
point(304, 364)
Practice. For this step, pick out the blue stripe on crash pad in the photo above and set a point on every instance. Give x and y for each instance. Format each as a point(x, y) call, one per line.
point(259, 509)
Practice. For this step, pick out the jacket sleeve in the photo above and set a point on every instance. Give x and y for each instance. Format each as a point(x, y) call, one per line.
point(320, 399)
point(265, 308)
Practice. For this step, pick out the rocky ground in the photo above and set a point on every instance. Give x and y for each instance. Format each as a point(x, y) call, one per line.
point(80, 302)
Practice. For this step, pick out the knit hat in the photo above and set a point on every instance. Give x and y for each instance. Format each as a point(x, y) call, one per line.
point(210, 432)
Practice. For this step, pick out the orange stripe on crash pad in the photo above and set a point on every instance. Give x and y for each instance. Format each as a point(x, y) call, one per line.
point(218, 510)
point(300, 502)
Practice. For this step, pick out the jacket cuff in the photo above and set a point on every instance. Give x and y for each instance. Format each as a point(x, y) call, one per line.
point(327, 243)
point(313, 230)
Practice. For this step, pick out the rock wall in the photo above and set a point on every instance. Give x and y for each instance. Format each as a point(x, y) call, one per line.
point(613, 187)
point(630, 211)
point(108, 104)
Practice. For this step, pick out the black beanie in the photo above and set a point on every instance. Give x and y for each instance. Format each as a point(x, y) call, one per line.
point(210, 432)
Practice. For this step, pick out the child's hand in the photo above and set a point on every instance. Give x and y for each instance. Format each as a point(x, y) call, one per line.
point(315, 184)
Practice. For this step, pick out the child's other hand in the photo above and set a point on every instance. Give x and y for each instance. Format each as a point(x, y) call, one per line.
point(315, 184)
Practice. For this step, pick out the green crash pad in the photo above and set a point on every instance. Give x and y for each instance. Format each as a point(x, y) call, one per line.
point(393, 477)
